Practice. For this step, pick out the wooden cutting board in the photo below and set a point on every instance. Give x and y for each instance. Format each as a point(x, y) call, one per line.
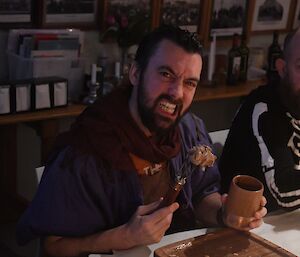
point(223, 243)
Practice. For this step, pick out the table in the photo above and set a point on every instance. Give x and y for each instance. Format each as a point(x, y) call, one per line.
point(281, 228)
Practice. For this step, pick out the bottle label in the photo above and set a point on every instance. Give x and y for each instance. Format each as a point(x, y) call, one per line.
point(236, 64)
point(274, 57)
point(244, 63)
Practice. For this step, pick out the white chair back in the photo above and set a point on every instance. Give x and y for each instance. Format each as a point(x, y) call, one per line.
point(219, 136)
point(39, 172)
point(218, 139)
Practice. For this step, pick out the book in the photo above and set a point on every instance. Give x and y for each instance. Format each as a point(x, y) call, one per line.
point(71, 54)
point(22, 41)
point(58, 44)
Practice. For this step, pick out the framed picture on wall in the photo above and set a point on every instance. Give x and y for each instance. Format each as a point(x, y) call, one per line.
point(66, 13)
point(127, 21)
point(228, 17)
point(127, 12)
point(296, 21)
point(270, 15)
point(15, 13)
point(185, 13)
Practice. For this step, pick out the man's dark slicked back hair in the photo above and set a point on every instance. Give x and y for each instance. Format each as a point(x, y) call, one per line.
point(183, 38)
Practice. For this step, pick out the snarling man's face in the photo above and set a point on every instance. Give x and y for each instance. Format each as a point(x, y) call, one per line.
point(167, 86)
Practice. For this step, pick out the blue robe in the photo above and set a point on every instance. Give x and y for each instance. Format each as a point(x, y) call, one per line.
point(85, 197)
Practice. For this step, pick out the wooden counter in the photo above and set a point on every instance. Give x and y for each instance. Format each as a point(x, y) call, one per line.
point(55, 113)
point(205, 93)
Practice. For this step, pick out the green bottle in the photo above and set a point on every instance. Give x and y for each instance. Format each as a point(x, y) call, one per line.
point(274, 52)
point(244, 51)
point(234, 62)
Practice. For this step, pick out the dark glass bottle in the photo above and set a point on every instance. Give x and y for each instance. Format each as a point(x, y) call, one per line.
point(244, 51)
point(274, 52)
point(234, 62)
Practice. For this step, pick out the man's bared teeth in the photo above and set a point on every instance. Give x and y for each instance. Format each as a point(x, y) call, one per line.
point(168, 107)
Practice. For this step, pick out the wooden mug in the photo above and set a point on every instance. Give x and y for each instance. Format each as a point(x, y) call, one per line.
point(244, 198)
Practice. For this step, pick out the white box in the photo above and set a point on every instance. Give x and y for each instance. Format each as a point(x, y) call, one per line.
point(23, 97)
point(60, 94)
point(42, 96)
point(4, 99)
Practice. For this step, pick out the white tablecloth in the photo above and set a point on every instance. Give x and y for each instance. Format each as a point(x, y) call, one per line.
point(281, 228)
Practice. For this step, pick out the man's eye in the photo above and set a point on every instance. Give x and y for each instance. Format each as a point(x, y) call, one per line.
point(165, 74)
point(191, 84)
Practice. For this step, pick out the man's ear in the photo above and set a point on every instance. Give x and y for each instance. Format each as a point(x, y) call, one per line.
point(134, 74)
point(280, 65)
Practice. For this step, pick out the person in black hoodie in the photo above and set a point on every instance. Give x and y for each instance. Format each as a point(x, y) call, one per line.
point(264, 139)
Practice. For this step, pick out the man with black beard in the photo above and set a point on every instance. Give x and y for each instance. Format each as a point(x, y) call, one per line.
point(104, 184)
point(264, 139)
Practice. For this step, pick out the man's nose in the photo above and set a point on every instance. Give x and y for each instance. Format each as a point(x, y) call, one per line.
point(176, 89)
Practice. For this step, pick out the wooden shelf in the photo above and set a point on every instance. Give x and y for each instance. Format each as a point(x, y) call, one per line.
point(55, 113)
point(205, 93)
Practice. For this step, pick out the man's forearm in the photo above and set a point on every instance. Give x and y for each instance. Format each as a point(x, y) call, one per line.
point(207, 209)
point(144, 227)
point(104, 242)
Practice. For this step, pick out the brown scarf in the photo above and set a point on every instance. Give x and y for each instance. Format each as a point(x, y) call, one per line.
point(107, 131)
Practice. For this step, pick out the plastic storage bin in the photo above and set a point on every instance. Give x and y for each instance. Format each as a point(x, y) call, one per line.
point(70, 69)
